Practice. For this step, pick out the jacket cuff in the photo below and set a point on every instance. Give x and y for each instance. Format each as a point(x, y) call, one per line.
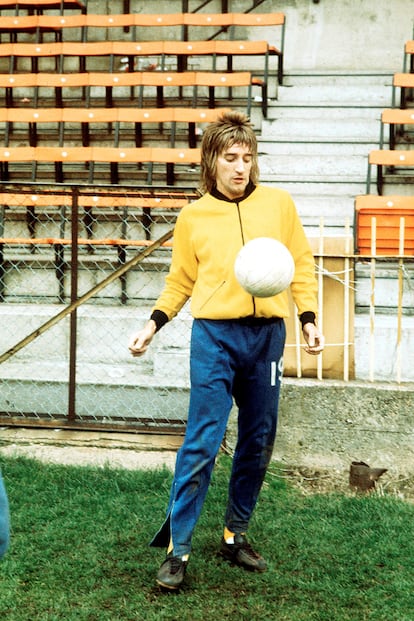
point(160, 318)
point(307, 317)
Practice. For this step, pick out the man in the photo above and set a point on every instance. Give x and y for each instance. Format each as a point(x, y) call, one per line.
point(237, 341)
point(4, 520)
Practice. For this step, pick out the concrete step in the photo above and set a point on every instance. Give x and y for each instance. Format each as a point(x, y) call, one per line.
point(102, 347)
point(155, 406)
point(319, 96)
point(336, 90)
point(386, 285)
point(323, 168)
point(315, 148)
point(383, 352)
point(30, 277)
point(278, 110)
point(323, 128)
point(316, 187)
point(332, 212)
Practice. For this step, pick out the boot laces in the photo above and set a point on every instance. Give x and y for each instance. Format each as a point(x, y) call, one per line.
point(175, 564)
point(246, 547)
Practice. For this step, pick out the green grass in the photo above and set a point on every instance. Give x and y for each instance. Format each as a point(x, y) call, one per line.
point(80, 552)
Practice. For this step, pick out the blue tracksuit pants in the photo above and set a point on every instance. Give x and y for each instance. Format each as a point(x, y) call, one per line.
point(230, 359)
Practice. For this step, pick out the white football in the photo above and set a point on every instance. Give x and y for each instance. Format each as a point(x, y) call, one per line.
point(264, 267)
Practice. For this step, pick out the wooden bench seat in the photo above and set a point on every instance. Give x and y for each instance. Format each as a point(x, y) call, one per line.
point(136, 119)
point(57, 206)
point(61, 52)
point(160, 81)
point(90, 156)
point(204, 22)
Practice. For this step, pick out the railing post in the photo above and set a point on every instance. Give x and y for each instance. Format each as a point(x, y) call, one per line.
point(73, 298)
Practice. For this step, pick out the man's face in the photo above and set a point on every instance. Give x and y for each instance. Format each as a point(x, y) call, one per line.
point(233, 170)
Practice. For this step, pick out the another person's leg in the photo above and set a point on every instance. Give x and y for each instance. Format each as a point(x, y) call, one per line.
point(4, 520)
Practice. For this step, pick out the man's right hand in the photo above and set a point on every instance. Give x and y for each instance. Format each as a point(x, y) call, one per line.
point(139, 342)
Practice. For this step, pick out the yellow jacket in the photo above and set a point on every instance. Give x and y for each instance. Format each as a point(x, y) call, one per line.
point(207, 237)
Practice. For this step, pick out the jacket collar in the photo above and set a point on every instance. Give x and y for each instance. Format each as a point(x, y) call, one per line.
point(249, 189)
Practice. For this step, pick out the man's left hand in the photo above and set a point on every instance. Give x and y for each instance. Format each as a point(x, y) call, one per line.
point(315, 341)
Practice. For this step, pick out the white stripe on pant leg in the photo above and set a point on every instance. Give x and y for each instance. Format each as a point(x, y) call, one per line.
point(273, 371)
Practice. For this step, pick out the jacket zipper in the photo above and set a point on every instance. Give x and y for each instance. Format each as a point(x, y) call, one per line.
point(242, 237)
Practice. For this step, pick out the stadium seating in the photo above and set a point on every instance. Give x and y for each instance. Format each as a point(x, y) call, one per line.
point(399, 161)
point(133, 158)
point(404, 82)
point(396, 120)
point(42, 5)
point(384, 225)
point(82, 118)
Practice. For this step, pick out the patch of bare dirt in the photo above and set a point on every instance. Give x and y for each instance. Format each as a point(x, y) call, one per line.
point(321, 481)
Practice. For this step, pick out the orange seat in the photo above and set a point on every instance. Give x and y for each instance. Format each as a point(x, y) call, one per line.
point(13, 25)
point(32, 51)
point(396, 119)
point(32, 117)
point(409, 56)
point(84, 50)
point(158, 19)
point(60, 81)
point(384, 225)
point(92, 155)
point(40, 5)
point(11, 81)
point(135, 117)
point(244, 79)
point(207, 19)
point(405, 82)
point(183, 50)
point(133, 50)
point(258, 19)
point(395, 159)
point(163, 79)
point(144, 200)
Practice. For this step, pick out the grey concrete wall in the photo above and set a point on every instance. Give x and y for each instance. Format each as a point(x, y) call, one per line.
point(329, 424)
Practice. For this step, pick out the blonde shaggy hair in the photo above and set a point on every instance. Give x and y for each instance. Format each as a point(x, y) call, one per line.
point(230, 128)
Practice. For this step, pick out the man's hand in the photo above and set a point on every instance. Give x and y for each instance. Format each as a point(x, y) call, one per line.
point(138, 343)
point(314, 339)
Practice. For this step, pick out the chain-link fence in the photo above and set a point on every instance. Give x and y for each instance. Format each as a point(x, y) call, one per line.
point(79, 272)
point(80, 269)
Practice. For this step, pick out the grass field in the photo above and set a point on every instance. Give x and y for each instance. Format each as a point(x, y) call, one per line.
point(80, 551)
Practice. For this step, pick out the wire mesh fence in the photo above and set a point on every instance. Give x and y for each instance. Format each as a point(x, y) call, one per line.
point(80, 269)
point(59, 248)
